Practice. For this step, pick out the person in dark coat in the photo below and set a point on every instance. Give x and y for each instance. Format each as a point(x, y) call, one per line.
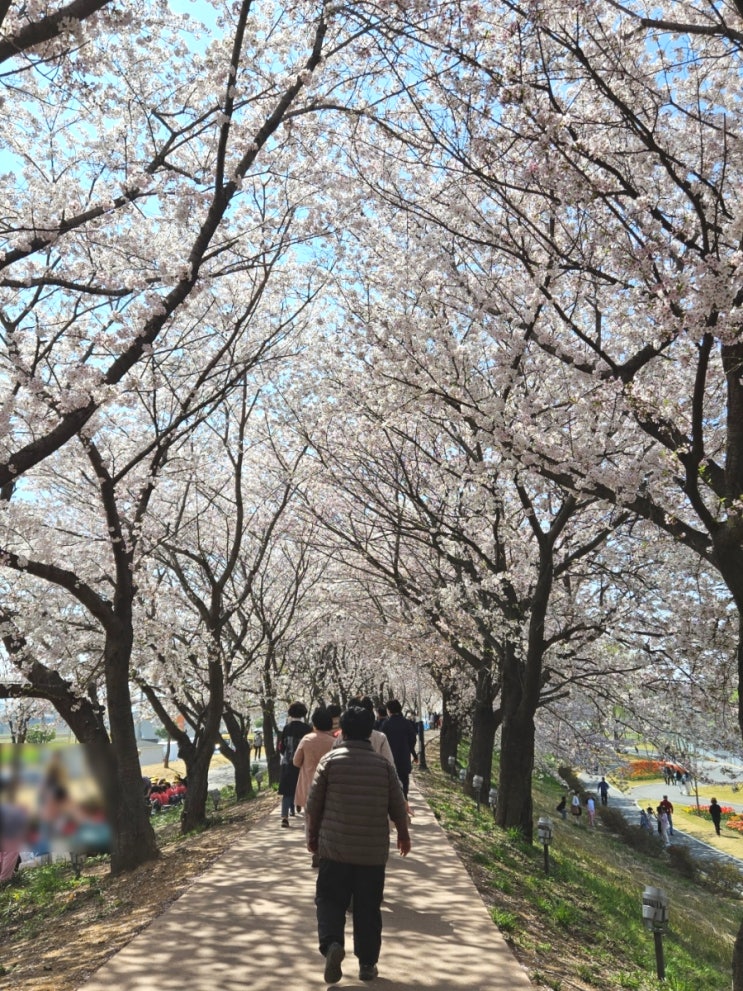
point(291, 734)
point(402, 739)
point(354, 794)
point(716, 813)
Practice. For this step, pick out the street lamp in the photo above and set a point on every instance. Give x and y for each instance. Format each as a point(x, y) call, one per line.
point(493, 798)
point(463, 775)
point(477, 780)
point(544, 832)
point(452, 762)
point(655, 918)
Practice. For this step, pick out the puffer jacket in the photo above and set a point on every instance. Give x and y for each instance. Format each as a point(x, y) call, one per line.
point(354, 792)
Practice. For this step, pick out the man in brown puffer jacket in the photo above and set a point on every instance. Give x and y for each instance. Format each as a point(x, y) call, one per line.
point(354, 794)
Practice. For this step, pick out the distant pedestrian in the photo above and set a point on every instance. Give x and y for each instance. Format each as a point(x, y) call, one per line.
point(716, 813)
point(257, 744)
point(667, 807)
point(603, 790)
point(562, 807)
point(664, 826)
point(575, 810)
point(401, 735)
point(287, 742)
point(591, 810)
point(645, 820)
point(335, 714)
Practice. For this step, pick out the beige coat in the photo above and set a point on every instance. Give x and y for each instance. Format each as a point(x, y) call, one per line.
point(306, 757)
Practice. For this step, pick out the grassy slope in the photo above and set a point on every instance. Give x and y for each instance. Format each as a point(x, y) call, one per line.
point(580, 927)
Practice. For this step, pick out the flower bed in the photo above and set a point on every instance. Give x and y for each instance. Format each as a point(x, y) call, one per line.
point(642, 770)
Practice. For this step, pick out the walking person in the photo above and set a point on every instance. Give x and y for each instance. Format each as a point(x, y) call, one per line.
point(664, 826)
point(716, 814)
point(575, 810)
point(291, 734)
point(307, 756)
point(562, 808)
point(668, 809)
point(257, 744)
point(353, 796)
point(591, 810)
point(402, 738)
point(603, 790)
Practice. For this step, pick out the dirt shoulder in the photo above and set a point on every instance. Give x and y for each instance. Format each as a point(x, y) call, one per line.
point(58, 949)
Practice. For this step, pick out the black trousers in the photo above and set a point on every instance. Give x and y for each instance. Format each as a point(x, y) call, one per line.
point(337, 885)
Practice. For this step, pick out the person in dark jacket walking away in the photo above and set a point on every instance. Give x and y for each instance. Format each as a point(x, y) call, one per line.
point(291, 734)
point(402, 738)
point(354, 794)
point(603, 789)
point(716, 813)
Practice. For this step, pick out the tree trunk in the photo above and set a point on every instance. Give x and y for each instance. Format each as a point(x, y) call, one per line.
point(515, 806)
point(239, 753)
point(450, 736)
point(484, 726)
point(270, 731)
point(133, 837)
point(197, 763)
point(516, 766)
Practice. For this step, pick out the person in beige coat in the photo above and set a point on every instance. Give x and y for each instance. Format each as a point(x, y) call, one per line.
point(354, 794)
point(309, 751)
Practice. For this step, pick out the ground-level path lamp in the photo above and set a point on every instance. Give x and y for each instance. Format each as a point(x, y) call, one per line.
point(477, 780)
point(655, 918)
point(544, 832)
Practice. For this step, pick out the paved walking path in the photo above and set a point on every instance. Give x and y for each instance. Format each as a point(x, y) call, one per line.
point(649, 793)
point(249, 923)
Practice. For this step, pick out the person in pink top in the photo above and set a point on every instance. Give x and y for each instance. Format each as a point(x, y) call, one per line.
point(310, 749)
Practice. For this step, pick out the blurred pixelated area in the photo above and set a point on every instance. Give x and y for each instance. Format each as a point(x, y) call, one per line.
point(50, 808)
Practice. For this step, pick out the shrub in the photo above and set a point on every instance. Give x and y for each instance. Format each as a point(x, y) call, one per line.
point(572, 780)
point(724, 876)
point(642, 840)
point(683, 861)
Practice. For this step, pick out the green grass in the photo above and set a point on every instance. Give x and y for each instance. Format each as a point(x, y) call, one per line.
point(581, 925)
point(34, 894)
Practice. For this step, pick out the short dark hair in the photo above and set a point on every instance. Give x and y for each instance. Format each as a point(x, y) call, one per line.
point(394, 708)
point(361, 703)
point(357, 723)
point(297, 710)
point(334, 709)
point(321, 718)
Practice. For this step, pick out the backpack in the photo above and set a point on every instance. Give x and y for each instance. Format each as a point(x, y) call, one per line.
point(288, 746)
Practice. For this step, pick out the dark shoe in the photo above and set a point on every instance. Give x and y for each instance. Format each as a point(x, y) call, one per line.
point(333, 958)
point(315, 860)
point(368, 971)
point(285, 823)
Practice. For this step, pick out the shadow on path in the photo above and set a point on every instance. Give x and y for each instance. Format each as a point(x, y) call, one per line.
point(249, 923)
